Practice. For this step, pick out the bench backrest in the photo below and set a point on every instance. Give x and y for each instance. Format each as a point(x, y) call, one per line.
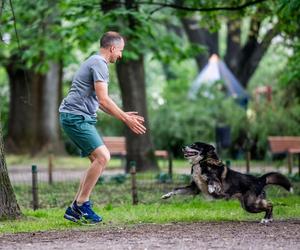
point(115, 145)
point(281, 144)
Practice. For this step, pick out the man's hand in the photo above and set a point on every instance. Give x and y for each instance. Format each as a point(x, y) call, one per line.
point(135, 122)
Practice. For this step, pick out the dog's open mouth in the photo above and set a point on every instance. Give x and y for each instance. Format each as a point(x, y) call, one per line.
point(190, 154)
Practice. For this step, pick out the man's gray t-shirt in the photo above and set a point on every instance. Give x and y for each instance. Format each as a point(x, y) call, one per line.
point(82, 99)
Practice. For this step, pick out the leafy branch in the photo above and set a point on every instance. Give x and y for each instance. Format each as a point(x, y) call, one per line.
point(203, 9)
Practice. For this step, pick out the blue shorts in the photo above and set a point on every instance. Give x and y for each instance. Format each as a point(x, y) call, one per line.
point(82, 131)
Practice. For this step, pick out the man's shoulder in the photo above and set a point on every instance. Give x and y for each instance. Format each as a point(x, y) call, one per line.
point(96, 58)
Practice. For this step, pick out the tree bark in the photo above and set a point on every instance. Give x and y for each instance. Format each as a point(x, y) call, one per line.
point(233, 45)
point(51, 99)
point(9, 208)
point(140, 148)
point(203, 37)
point(243, 61)
point(33, 115)
point(131, 78)
point(253, 52)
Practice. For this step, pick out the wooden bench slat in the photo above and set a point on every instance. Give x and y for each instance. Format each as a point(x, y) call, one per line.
point(281, 144)
point(117, 146)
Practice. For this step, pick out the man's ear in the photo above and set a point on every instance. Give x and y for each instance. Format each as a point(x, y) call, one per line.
point(112, 48)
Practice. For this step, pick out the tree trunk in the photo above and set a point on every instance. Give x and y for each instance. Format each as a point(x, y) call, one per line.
point(243, 61)
point(33, 122)
point(233, 45)
point(140, 148)
point(202, 37)
point(51, 97)
point(9, 208)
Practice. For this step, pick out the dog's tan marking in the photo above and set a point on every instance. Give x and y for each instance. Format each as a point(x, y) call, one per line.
point(200, 179)
point(214, 162)
point(223, 176)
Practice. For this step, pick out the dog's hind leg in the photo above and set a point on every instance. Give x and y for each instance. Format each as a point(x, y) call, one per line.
point(269, 212)
point(254, 204)
point(191, 189)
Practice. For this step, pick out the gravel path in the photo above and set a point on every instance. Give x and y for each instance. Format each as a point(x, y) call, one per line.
point(202, 235)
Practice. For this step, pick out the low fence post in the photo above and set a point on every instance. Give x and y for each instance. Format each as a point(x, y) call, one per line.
point(290, 163)
point(299, 164)
point(170, 164)
point(50, 169)
point(35, 200)
point(248, 159)
point(133, 183)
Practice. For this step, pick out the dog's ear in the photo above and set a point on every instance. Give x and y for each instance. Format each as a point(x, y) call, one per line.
point(211, 148)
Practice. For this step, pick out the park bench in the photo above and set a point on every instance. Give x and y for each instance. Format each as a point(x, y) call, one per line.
point(117, 147)
point(289, 145)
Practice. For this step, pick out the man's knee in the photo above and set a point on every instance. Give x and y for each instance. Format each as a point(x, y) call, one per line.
point(101, 155)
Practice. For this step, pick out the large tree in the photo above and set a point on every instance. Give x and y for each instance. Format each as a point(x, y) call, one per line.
point(31, 58)
point(131, 76)
point(9, 208)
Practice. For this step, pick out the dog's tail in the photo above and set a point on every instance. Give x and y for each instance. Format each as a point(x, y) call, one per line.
point(277, 179)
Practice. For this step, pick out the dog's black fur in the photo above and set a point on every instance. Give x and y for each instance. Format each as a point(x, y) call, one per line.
point(211, 177)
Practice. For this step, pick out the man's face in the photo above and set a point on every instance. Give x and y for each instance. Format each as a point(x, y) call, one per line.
point(116, 51)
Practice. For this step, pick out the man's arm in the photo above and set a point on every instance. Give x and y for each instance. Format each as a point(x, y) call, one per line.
point(131, 119)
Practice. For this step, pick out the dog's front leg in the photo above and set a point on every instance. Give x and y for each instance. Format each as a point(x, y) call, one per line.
point(191, 189)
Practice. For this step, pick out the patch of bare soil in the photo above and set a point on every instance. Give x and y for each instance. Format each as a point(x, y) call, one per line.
point(202, 235)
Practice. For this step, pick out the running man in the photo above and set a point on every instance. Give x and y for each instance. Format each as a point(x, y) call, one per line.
point(89, 91)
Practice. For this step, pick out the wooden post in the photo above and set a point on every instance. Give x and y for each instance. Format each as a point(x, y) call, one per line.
point(133, 183)
point(50, 168)
point(299, 164)
point(170, 164)
point(248, 159)
point(290, 162)
point(35, 200)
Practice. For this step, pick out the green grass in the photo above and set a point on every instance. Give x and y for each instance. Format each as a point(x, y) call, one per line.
point(73, 162)
point(76, 162)
point(178, 209)
point(113, 202)
point(66, 162)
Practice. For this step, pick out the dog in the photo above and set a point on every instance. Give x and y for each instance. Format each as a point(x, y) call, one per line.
point(216, 181)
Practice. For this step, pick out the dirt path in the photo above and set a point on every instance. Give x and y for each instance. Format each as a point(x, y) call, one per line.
point(204, 235)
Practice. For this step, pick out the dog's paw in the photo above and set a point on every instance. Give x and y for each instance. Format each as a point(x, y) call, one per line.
point(266, 221)
point(167, 196)
point(211, 188)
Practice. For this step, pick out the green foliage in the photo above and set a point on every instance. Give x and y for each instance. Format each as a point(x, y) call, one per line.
point(180, 121)
point(271, 120)
point(290, 79)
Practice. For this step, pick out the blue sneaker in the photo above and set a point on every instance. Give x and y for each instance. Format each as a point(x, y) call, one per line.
point(72, 215)
point(87, 215)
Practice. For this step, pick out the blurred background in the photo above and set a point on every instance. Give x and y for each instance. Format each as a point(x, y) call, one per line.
point(222, 72)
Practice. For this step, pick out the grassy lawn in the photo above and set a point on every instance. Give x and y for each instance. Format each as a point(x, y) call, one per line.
point(113, 201)
point(74, 162)
point(176, 210)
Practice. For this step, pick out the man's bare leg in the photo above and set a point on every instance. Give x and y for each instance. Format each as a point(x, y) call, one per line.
point(82, 179)
point(99, 159)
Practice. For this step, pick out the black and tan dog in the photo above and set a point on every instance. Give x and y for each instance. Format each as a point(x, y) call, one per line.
point(211, 177)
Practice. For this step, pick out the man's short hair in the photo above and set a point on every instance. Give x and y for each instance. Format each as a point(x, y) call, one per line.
point(110, 38)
